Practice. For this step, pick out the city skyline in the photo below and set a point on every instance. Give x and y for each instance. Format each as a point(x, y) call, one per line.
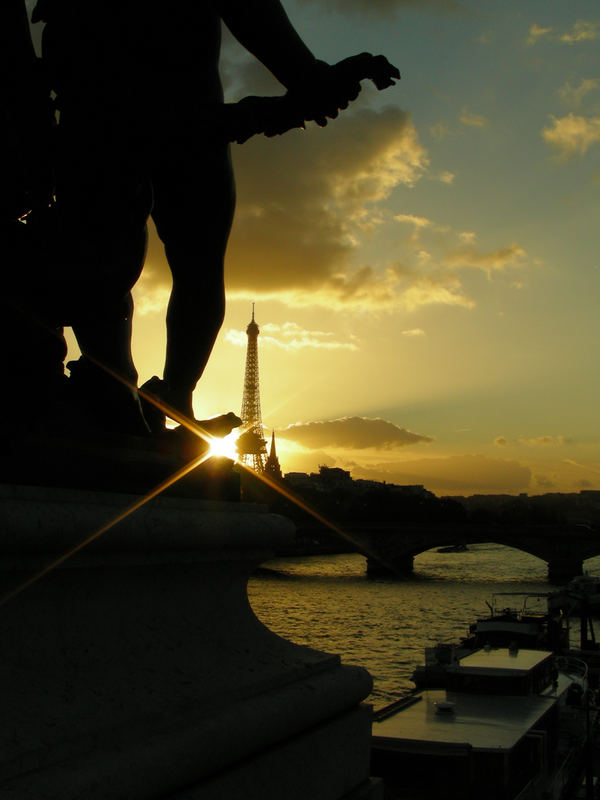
point(425, 268)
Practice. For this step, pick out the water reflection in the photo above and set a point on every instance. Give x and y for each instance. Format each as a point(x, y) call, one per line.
point(329, 603)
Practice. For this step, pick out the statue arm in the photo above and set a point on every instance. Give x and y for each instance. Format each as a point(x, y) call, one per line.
point(264, 29)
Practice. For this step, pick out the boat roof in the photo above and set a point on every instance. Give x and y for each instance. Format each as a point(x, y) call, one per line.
point(483, 722)
point(502, 661)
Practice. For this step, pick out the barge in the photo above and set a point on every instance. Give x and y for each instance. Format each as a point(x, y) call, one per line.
point(508, 725)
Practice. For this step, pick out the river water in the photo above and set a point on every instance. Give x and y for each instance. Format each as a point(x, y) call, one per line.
point(329, 603)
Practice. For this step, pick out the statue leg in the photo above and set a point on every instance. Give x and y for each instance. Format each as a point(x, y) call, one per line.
point(104, 380)
point(193, 212)
point(102, 324)
point(104, 203)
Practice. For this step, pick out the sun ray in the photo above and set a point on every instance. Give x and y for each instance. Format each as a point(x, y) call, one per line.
point(226, 446)
point(214, 443)
point(180, 473)
point(320, 518)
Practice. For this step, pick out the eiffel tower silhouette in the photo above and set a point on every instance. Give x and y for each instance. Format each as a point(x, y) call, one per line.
point(251, 444)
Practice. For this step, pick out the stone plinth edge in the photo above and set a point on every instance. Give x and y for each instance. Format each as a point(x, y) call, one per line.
point(137, 667)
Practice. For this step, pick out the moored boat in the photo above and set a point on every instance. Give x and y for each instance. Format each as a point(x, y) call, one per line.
point(516, 619)
point(509, 724)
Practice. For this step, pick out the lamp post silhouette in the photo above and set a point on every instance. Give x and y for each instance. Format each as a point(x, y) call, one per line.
point(251, 444)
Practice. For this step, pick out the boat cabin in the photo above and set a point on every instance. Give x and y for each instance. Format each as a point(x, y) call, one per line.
point(502, 672)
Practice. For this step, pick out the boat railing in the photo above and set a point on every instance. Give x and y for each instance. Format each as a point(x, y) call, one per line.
point(572, 667)
point(523, 608)
point(404, 702)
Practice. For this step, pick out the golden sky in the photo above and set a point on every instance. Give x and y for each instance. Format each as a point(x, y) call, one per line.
point(425, 269)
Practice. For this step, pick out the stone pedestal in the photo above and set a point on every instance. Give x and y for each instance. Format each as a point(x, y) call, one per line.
point(137, 669)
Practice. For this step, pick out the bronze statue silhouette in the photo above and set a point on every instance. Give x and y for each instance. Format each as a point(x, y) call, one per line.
point(144, 130)
point(30, 329)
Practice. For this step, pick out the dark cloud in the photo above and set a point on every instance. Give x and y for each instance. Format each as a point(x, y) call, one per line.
point(466, 474)
point(382, 8)
point(303, 201)
point(352, 432)
point(544, 483)
point(304, 197)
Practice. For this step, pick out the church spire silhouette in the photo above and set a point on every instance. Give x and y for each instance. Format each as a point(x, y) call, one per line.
point(251, 444)
point(272, 466)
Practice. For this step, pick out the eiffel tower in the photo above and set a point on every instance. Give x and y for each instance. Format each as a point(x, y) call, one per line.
point(251, 444)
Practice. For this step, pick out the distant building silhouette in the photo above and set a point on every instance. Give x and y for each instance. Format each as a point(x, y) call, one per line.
point(333, 479)
point(251, 445)
point(272, 467)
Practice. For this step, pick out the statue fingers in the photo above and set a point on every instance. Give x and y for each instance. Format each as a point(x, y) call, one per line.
point(382, 73)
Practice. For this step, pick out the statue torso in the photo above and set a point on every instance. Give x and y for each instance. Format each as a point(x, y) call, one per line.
point(133, 51)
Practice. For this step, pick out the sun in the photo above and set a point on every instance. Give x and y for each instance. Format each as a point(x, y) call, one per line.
point(225, 447)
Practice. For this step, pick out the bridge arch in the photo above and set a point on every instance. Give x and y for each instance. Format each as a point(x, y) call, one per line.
point(563, 549)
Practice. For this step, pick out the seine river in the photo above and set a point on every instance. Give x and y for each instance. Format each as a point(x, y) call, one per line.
point(330, 604)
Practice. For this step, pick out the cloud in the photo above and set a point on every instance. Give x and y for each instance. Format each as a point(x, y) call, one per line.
point(537, 32)
point(534, 441)
point(582, 31)
point(583, 484)
point(472, 120)
point(573, 95)
point(544, 441)
point(148, 298)
point(465, 474)
point(411, 219)
point(488, 262)
point(544, 483)
point(572, 135)
point(290, 337)
point(357, 433)
point(305, 202)
point(446, 177)
point(440, 290)
point(439, 131)
point(414, 332)
point(304, 199)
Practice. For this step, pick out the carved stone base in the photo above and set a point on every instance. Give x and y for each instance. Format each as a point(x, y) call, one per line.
point(137, 669)
point(116, 463)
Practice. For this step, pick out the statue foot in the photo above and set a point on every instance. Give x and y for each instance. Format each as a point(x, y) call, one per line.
point(156, 401)
point(217, 427)
point(191, 442)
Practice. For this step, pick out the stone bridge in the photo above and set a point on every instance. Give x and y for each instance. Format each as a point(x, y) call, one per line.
point(564, 548)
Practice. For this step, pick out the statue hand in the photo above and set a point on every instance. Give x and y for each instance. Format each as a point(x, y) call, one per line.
point(327, 89)
point(269, 115)
point(364, 65)
point(319, 97)
point(323, 92)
